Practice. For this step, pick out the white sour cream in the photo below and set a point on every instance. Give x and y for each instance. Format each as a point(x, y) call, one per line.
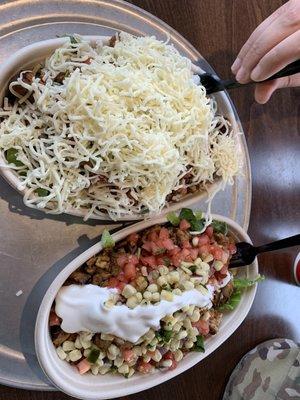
point(82, 308)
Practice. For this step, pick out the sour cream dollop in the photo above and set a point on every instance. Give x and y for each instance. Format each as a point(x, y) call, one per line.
point(82, 308)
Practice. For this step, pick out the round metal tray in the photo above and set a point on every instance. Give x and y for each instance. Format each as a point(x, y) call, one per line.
point(34, 246)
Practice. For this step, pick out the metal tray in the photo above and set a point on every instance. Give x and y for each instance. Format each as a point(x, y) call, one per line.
point(34, 247)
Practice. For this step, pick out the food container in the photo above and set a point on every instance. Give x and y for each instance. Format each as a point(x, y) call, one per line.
point(37, 52)
point(66, 377)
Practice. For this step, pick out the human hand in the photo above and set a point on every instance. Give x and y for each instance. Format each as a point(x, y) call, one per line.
point(274, 44)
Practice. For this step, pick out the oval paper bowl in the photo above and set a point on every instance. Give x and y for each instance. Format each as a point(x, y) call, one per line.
point(66, 377)
point(37, 52)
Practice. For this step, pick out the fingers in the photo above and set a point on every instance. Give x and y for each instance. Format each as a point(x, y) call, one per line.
point(252, 39)
point(281, 55)
point(283, 23)
point(264, 91)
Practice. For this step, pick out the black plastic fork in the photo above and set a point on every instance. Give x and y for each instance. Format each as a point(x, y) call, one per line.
point(213, 83)
point(246, 253)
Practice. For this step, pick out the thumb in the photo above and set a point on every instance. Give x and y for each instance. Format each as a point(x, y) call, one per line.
point(264, 90)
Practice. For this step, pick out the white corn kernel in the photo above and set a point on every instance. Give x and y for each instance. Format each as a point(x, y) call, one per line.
point(187, 323)
point(118, 361)
point(128, 291)
point(75, 355)
point(177, 327)
point(181, 335)
point(188, 285)
point(162, 281)
point(139, 297)
point(111, 357)
point(206, 316)
point(99, 362)
point(78, 344)
point(61, 354)
point(177, 292)
point(165, 295)
point(157, 356)
point(113, 349)
point(163, 270)
point(166, 363)
point(190, 310)
point(218, 265)
point(68, 345)
point(195, 241)
point(152, 288)
point(178, 355)
point(208, 258)
point(155, 297)
point(154, 275)
point(174, 277)
point(104, 369)
point(106, 336)
point(67, 358)
point(86, 336)
point(175, 345)
point(132, 302)
point(124, 369)
point(137, 351)
point(147, 295)
point(95, 369)
point(144, 271)
point(188, 344)
point(131, 372)
point(86, 352)
point(144, 350)
point(86, 344)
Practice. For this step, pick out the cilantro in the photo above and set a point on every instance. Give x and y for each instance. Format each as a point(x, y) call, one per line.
point(42, 192)
point(107, 240)
point(11, 156)
point(220, 227)
point(173, 218)
point(193, 268)
point(93, 356)
point(188, 215)
point(241, 283)
point(199, 345)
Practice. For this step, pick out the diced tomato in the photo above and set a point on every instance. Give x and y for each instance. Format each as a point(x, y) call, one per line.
point(120, 286)
point(209, 231)
point(184, 225)
point(217, 252)
point(170, 356)
point(225, 256)
point(203, 239)
point(83, 366)
point(164, 233)
point(147, 246)
point(145, 368)
point(133, 259)
point(202, 326)
point(232, 248)
point(128, 355)
point(129, 271)
point(174, 251)
point(156, 247)
point(53, 319)
point(194, 254)
point(122, 259)
point(186, 245)
point(149, 261)
point(205, 249)
point(113, 282)
point(133, 238)
point(185, 253)
point(162, 260)
point(153, 236)
point(121, 277)
point(168, 244)
point(224, 270)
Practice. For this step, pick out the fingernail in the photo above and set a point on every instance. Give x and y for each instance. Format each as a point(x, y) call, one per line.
point(236, 65)
point(242, 75)
point(256, 73)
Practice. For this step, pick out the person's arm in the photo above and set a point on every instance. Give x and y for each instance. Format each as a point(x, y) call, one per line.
point(274, 44)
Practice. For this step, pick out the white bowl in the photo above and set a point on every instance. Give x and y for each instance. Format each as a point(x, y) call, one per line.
point(66, 377)
point(35, 53)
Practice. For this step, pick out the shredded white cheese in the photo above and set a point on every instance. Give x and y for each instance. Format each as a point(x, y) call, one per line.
point(120, 131)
